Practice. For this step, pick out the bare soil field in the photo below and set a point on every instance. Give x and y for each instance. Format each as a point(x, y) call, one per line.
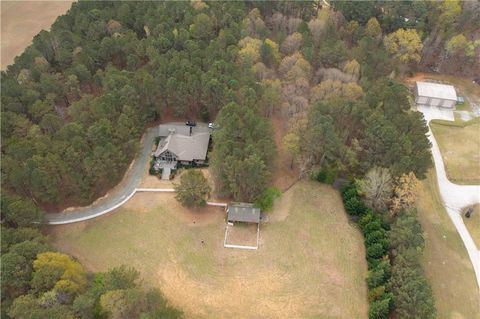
point(310, 263)
point(446, 263)
point(22, 20)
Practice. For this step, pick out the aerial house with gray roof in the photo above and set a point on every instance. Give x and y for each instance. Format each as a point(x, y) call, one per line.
point(180, 143)
point(435, 94)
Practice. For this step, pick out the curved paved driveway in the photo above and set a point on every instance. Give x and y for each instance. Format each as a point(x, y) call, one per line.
point(454, 196)
point(116, 198)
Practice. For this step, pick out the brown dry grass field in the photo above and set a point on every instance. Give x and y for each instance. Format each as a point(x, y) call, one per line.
point(22, 20)
point(310, 263)
point(473, 224)
point(242, 234)
point(445, 261)
point(460, 148)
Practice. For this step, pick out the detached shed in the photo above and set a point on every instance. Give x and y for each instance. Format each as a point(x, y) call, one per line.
point(435, 94)
point(243, 212)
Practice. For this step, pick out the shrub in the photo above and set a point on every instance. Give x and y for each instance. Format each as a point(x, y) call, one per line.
point(354, 207)
point(376, 293)
point(371, 227)
point(379, 309)
point(152, 171)
point(380, 274)
point(375, 237)
point(325, 175)
point(349, 191)
point(375, 251)
point(266, 199)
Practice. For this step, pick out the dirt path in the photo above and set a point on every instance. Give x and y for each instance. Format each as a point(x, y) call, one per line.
point(22, 20)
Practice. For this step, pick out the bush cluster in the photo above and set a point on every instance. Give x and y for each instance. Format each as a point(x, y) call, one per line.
point(267, 197)
point(395, 280)
point(325, 175)
point(376, 243)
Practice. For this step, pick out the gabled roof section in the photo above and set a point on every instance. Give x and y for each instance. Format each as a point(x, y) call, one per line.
point(243, 212)
point(436, 90)
point(185, 147)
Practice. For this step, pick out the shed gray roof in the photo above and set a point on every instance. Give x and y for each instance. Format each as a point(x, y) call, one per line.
point(243, 212)
point(436, 90)
point(185, 147)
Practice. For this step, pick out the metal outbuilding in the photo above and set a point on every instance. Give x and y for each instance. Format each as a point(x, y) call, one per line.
point(435, 94)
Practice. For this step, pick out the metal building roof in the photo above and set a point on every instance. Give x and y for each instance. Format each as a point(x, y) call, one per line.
point(243, 212)
point(436, 90)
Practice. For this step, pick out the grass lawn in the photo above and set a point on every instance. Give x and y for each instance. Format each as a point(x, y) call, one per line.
point(446, 262)
point(473, 224)
point(310, 263)
point(460, 148)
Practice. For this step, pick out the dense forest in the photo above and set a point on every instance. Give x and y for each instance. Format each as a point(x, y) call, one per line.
point(75, 103)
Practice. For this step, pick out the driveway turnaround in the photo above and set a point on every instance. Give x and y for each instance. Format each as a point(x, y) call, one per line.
point(455, 197)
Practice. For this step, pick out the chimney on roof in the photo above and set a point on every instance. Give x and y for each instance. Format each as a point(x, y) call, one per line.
point(190, 131)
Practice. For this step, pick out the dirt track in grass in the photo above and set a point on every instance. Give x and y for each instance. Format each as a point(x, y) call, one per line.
point(310, 263)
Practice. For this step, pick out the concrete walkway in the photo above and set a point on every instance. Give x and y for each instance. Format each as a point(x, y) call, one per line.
point(455, 197)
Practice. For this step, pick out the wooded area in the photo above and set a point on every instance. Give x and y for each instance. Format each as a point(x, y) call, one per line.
point(76, 102)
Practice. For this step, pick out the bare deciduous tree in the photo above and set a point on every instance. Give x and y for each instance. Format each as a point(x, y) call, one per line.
point(376, 187)
point(292, 43)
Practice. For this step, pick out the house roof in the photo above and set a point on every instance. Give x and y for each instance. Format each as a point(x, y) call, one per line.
point(165, 129)
point(436, 90)
point(243, 212)
point(185, 147)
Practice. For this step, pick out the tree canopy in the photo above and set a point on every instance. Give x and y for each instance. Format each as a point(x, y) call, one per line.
point(243, 152)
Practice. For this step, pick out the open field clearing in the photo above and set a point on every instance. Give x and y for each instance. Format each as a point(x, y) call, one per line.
point(22, 20)
point(446, 262)
point(460, 148)
point(310, 263)
point(473, 224)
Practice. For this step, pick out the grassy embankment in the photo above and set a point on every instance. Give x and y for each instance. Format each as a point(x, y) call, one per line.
point(310, 264)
